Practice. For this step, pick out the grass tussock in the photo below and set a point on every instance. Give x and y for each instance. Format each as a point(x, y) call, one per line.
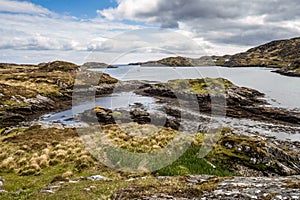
point(28, 152)
point(141, 138)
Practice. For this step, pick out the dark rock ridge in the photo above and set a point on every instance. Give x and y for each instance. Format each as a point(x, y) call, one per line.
point(221, 96)
point(137, 113)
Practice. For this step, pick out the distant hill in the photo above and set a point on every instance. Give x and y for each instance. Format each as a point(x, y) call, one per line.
point(97, 65)
point(280, 53)
point(284, 54)
point(179, 61)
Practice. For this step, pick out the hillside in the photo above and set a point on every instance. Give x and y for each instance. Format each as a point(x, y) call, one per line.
point(284, 54)
point(280, 53)
point(178, 62)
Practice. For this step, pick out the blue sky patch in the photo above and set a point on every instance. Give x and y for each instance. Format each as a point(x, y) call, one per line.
point(78, 8)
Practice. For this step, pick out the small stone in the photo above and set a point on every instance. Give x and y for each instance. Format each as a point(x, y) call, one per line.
point(253, 160)
point(130, 179)
point(239, 147)
point(228, 145)
point(218, 192)
point(247, 148)
point(258, 191)
point(73, 181)
point(50, 187)
point(3, 191)
point(98, 178)
point(19, 191)
point(47, 191)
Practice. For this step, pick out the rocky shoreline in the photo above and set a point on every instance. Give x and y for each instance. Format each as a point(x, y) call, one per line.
point(237, 102)
point(287, 73)
point(53, 155)
point(28, 91)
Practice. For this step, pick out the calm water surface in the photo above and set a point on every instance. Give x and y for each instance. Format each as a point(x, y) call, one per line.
point(281, 91)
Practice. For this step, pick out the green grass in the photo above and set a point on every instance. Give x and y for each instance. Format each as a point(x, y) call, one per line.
point(190, 163)
point(31, 185)
point(2, 130)
point(201, 86)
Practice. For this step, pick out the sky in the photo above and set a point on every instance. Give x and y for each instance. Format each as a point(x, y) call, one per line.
point(121, 31)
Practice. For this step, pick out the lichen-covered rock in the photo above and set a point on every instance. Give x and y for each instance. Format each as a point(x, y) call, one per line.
point(264, 156)
point(205, 187)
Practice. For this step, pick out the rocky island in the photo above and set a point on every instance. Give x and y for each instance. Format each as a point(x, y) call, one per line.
point(97, 65)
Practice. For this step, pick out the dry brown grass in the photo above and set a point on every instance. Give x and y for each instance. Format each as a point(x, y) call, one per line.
point(139, 137)
point(29, 151)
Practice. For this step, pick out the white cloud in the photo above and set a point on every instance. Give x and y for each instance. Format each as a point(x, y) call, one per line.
point(244, 23)
point(217, 27)
point(29, 29)
point(129, 9)
point(22, 7)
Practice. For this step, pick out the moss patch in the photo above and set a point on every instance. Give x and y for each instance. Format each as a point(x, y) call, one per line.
point(200, 86)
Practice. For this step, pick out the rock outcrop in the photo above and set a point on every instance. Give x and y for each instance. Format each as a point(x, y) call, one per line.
point(293, 69)
point(219, 95)
point(27, 91)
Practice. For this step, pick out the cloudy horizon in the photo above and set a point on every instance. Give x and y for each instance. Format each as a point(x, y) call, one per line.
point(39, 31)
